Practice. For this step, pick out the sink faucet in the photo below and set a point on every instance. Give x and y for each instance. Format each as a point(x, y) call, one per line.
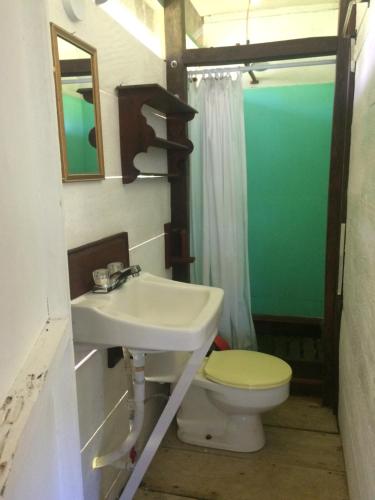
point(115, 280)
point(118, 278)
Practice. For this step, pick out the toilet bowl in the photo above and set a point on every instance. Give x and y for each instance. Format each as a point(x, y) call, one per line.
point(223, 406)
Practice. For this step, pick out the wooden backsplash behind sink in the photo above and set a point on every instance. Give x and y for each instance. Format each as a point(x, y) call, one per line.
point(298, 341)
point(94, 255)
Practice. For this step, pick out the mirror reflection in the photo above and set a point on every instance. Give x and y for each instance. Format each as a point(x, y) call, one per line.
point(77, 93)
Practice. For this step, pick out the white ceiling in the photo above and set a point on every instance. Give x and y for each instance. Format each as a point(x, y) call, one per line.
point(211, 7)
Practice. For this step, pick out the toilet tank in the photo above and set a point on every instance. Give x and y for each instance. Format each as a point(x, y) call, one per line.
point(165, 367)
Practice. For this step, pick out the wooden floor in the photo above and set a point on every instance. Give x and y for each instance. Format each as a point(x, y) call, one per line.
point(302, 460)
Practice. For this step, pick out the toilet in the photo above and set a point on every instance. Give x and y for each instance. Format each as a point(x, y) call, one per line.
point(223, 406)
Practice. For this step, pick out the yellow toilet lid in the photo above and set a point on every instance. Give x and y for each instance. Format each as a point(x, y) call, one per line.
point(247, 369)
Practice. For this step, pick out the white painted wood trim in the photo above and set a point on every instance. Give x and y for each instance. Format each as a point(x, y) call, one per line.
point(342, 256)
point(362, 28)
point(17, 406)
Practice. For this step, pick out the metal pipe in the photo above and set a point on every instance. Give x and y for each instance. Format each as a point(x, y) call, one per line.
point(166, 417)
point(261, 67)
point(138, 416)
point(76, 80)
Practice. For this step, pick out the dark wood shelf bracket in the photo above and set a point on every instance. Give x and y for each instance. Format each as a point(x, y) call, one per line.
point(137, 136)
point(176, 246)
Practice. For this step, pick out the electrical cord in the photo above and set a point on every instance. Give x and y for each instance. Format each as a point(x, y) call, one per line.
point(247, 22)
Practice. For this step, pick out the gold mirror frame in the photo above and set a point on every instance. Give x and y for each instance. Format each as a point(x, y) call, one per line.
point(57, 32)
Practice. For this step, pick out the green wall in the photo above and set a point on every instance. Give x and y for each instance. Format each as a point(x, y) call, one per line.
point(288, 136)
point(79, 119)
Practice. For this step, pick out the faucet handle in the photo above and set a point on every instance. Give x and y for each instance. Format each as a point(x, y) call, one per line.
point(101, 278)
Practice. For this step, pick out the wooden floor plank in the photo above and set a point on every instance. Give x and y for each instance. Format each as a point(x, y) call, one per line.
point(302, 413)
point(285, 446)
point(211, 477)
point(302, 460)
point(143, 494)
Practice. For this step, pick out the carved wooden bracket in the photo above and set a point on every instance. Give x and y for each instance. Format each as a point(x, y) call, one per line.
point(137, 136)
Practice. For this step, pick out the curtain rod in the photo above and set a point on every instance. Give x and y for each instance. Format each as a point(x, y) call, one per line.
point(260, 67)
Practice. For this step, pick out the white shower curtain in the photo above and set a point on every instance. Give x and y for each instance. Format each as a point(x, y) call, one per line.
point(219, 202)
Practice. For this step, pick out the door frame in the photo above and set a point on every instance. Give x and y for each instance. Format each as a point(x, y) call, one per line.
point(178, 59)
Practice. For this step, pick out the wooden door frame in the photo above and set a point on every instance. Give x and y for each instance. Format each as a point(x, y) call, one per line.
point(337, 201)
point(178, 59)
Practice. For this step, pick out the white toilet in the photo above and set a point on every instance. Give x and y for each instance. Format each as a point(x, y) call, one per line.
point(223, 406)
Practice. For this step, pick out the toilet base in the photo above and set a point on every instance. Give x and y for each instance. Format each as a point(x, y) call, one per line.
point(242, 433)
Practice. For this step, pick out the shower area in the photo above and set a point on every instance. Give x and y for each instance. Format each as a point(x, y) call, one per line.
point(287, 125)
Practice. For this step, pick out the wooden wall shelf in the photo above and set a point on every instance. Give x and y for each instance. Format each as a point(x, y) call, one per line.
point(87, 94)
point(137, 136)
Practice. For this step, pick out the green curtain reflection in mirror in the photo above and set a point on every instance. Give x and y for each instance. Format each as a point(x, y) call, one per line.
point(79, 120)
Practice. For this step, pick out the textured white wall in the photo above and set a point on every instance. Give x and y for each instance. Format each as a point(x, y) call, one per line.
point(46, 464)
point(34, 272)
point(97, 209)
point(357, 350)
point(269, 26)
point(31, 243)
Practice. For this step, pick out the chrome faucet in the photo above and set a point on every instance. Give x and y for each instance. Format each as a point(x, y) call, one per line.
point(106, 281)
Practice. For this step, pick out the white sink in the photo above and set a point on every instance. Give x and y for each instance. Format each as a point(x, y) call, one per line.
point(148, 313)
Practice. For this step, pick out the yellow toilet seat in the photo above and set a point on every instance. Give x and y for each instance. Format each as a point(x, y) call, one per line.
point(247, 369)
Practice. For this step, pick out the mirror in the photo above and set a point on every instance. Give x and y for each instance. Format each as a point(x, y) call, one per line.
point(78, 107)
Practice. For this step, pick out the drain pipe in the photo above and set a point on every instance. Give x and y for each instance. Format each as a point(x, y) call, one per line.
point(137, 418)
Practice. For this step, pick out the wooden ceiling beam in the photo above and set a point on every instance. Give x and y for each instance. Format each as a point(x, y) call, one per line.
point(343, 10)
point(258, 52)
point(348, 19)
point(75, 67)
point(194, 24)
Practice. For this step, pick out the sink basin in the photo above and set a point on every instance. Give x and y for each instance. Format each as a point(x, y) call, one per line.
point(148, 313)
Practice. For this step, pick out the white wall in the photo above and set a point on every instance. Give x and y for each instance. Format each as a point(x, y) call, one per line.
point(270, 25)
point(46, 464)
point(34, 276)
point(97, 209)
point(273, 25)
point(33, 273)
point(357, 350)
